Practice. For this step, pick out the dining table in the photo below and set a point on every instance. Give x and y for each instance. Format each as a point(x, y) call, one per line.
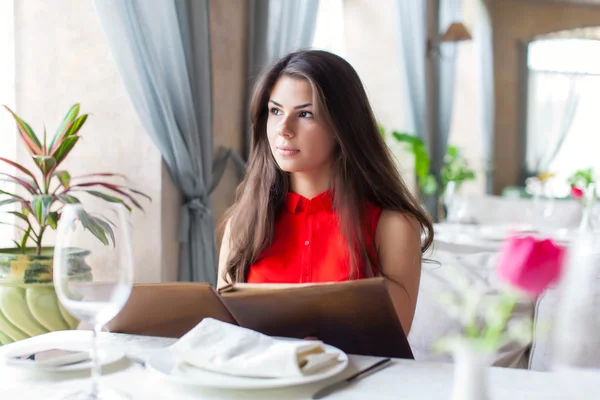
point(401, 379)
point(472, 238)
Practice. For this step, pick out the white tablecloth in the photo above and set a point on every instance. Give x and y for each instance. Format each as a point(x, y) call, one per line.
point(403, 380)
point(457, 238)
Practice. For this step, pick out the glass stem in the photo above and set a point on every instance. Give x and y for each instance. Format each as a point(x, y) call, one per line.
point(584, 225)
point(96, 366)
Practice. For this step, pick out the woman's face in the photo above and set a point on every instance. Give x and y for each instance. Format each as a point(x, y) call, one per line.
point(299, 139)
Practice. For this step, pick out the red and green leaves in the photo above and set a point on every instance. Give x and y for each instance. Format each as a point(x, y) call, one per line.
point(22, 169)
point(26, 185)
point(98, 227)
point(46, 164)
point(29, 138)
point(41, 206)
point(63, 177)
point(13, 198)
point(68, 199)
point(64, 126)
point(64, 147)
point(66, 137)
point(48, 156)
point(123, 191)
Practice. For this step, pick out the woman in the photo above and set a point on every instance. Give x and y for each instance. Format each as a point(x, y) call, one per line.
point(322, 199)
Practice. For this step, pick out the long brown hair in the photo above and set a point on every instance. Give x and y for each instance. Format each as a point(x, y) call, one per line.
point(363, 169)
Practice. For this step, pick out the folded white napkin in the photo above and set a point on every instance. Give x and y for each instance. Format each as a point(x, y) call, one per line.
point(228, 349)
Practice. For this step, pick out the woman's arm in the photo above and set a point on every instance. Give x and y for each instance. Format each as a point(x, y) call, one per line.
point(223, 256)
point(398, 241)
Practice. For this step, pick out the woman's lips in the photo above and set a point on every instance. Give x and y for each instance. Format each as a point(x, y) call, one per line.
point(287, 151)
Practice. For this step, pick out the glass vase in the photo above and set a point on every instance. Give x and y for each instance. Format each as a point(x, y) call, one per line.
point(588, 201)
point(471, 366)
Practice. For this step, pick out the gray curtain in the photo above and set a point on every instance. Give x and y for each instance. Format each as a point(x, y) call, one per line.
point(485, 49)
point(552, 103)
point(276, 28)
point(413, 33)
point(291, 26)
point(413, 23)
point(431, 124)
point(162, 52)
point(449, 11)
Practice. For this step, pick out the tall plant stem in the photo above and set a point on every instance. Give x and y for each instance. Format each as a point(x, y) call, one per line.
point(39, 240)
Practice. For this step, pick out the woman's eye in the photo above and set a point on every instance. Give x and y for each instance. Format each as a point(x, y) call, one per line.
point(305, 114)
point(275, 111)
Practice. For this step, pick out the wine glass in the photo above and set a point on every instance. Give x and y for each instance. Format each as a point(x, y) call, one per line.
point(93, 273)
point(543, 205)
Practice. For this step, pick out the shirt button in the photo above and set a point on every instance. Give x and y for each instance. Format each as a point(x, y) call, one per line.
point(307, 243)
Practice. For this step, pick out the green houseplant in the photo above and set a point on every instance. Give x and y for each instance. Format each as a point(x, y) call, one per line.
point(28, 303)
point(454, 173)
point(455, 169)
point(583, 189)
point(415, 145)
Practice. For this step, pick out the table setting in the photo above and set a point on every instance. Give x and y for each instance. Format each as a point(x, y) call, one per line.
point(214, 355)
point(490, 237)
point(213, 360)
point(405, 379)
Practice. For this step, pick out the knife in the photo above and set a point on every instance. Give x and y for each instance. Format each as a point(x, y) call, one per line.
point(327, 390)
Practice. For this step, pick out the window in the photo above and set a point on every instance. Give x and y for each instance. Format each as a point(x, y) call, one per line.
point(562, 115)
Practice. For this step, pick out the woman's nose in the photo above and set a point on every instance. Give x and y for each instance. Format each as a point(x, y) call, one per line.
point(284, 128)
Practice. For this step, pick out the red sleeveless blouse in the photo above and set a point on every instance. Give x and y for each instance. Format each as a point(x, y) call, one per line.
point(308, 245)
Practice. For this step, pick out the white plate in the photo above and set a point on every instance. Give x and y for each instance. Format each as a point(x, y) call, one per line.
point(106, 355)
point(564, 235)
point(499, 233)
point(494, 234)
point(164, 364)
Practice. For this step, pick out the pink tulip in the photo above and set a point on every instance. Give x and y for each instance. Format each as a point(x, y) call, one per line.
point(529, 264)
point(576, 192)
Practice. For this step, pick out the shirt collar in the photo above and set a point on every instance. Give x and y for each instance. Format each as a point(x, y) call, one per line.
point(296, 203)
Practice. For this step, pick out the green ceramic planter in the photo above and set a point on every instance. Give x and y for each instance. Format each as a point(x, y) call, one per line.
point(28, 302)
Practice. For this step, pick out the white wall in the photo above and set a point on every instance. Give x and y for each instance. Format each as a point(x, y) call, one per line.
point(62, 58)
point(372, 46)
point(467, 118)
point(8, 138)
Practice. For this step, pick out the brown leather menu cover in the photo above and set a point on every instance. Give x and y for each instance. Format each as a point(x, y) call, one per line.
point(357, 317)
point(168, 309)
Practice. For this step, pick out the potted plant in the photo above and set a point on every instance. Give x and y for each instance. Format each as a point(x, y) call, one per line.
point(28, 303)
point(583, 189)
point(455, 170)
point(426, 181)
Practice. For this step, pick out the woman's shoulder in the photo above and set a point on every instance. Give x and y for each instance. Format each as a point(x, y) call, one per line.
point(396, 222)
point(398, 239)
